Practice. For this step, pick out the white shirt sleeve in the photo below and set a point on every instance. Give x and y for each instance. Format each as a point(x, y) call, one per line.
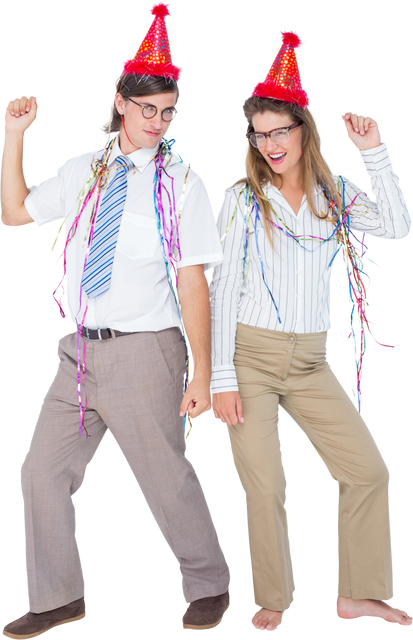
point(47, 202)
point(225, 293)
point(388, 216)
point(198, 232)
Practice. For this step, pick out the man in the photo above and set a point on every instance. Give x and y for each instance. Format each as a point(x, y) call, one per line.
point(138, 212)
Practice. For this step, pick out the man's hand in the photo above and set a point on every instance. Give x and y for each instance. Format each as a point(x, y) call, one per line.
point(20, 114)
point(197, 398)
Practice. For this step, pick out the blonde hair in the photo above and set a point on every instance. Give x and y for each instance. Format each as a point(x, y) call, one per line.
point(315, 171)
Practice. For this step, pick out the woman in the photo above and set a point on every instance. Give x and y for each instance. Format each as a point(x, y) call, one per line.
point(282, 228)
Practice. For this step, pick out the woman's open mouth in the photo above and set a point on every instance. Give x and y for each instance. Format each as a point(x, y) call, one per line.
point(277, 158)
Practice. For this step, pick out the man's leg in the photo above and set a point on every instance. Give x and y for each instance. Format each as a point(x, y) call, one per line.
point(141, 382)
point(53, 471)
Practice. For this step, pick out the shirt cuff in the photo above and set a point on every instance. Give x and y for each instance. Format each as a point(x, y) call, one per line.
point(376, 160)
point(223, 378)
point(32, 211)
point(208, 260)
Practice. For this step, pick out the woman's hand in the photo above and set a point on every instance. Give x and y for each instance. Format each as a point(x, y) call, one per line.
point(364, 132)
point(228, 407)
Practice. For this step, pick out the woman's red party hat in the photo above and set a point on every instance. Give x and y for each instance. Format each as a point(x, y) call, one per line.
point(154, 55)
point(283, 80)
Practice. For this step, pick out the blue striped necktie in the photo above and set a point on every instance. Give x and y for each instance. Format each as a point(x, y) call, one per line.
point(98, 269)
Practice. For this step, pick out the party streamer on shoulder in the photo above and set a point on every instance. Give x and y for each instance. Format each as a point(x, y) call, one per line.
point(355, 271)
point(93, 187)
point(342, 234)
point(169, 241)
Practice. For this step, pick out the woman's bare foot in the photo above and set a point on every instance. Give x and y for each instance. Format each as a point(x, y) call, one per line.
point(349, 608)
point(266, 619)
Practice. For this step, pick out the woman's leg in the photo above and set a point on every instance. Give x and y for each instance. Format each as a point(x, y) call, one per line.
point(257, 455)
point(317, 402)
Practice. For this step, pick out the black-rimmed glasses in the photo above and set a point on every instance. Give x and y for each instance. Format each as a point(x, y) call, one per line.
point(279, 136)
point(149, 111)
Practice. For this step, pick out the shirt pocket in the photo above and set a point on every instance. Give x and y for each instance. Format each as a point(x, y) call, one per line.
point(138, 236)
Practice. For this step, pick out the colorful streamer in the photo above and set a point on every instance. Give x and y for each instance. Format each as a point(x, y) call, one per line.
point(342, 234)
point(168, 233)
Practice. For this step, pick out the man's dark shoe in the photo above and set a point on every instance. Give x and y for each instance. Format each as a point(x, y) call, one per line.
point(30, 625)
point(206, 614)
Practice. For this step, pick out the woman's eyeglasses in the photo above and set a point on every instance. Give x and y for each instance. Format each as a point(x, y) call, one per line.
point(279, 136)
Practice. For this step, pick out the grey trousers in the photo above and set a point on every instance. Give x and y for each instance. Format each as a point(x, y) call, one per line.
point(134, 388)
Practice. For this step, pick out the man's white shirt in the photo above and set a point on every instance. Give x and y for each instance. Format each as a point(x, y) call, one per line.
point(139, 297)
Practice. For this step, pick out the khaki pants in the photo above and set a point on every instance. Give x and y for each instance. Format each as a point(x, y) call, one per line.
point(291, 370)
point(134, 388)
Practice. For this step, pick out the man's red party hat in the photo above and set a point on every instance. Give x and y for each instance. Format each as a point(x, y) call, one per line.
point(283, 80)
point(154, 55)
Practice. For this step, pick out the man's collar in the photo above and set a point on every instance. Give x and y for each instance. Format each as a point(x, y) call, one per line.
point(140, 158)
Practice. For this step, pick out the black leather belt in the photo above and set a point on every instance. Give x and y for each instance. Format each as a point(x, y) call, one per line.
point(103, 334)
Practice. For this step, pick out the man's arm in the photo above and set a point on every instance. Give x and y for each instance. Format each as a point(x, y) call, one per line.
point(194, 299)
point(19, 116)
point(193, 296)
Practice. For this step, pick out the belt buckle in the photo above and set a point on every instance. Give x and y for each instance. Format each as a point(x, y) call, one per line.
point(112, 334)
point(93, 339)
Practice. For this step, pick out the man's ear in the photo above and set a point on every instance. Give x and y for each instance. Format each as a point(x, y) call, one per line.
point(120, 103)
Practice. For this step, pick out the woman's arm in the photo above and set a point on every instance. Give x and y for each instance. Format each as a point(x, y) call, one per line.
point(224, 293)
